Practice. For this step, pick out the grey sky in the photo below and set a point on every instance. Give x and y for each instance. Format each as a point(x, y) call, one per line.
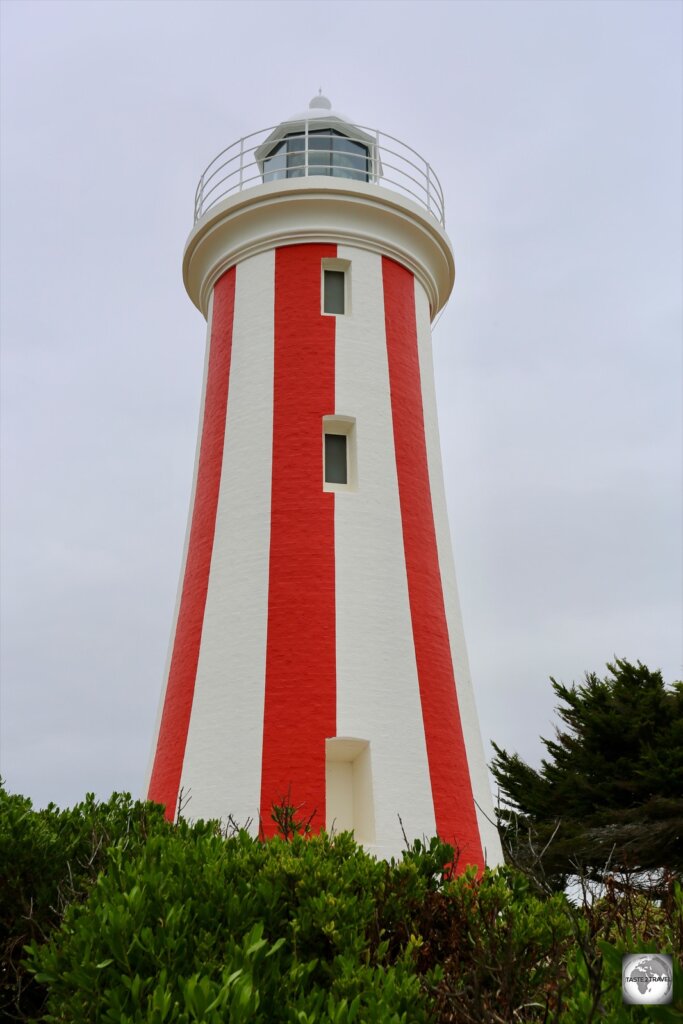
point(555, 129)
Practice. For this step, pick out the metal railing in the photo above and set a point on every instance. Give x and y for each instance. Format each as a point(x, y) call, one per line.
point(389, 162)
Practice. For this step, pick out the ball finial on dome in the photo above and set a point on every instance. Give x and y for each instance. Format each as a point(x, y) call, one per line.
point(320, 102)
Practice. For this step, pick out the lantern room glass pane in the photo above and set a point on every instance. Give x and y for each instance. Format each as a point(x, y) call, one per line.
point(275, 167)
point(319, 148)
point(320, 141)
point(350, 159)
point(329, 153)
point(335, 459)
point(296, 156)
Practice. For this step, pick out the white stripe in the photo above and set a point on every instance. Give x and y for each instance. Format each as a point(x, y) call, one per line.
point(468, 712)
point(169, 655)
point(222, 768)
point(378, 697)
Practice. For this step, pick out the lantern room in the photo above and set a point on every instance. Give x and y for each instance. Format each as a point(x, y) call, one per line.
point(318, 142)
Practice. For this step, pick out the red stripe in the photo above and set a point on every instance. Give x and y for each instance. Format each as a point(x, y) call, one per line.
point(175, 719)
point(300, 693)
point(454, 809)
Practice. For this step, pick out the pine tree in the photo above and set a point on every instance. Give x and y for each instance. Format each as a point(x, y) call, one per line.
point(609, 797)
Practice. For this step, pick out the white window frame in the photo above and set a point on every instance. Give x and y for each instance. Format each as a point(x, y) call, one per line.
point(345, 425)
point(343, 266)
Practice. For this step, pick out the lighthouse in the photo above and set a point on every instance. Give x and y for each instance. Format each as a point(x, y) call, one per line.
point(317, 654)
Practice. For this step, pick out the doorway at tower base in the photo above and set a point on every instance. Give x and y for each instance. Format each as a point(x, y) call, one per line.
point(349, 801)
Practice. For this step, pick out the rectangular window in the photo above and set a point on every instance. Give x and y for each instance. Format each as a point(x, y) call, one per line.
point(333, 291)
point(336, 466)
point(340, 472)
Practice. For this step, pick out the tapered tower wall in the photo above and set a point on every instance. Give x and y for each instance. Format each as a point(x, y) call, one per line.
point(318, 652)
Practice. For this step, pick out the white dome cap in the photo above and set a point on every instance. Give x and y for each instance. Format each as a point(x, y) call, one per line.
point(319, 106)
point(320, 101)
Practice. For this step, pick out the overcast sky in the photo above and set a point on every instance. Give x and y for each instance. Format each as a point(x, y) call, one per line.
point(555, 129)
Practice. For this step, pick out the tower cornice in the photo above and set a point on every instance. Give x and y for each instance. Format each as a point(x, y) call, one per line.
point(318, 209)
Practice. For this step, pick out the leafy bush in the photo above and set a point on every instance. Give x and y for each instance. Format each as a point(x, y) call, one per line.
point(496, 948)
point(196, 927)
point(49, 859)
point(129, 920)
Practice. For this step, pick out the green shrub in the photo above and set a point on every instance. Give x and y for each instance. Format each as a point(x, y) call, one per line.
point(48, 860)
point(124, 918)
point(623, 921)
point(196, 927)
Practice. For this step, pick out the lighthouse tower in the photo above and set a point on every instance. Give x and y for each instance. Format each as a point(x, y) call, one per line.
point(317, 654)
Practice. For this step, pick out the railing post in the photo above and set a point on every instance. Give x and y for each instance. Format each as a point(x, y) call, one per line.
point(375, 159)
point(199, 199)
point(306, 149)
point(241, 161)
point(429, 206)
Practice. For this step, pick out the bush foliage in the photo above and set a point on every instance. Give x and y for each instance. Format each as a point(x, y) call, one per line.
point(110, 914)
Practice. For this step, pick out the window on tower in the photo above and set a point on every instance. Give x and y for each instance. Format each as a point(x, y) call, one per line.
point(336, 468)
point(333, 291)
point(339, 453)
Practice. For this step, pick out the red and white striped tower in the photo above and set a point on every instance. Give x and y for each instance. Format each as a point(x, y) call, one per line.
point(318, 648)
